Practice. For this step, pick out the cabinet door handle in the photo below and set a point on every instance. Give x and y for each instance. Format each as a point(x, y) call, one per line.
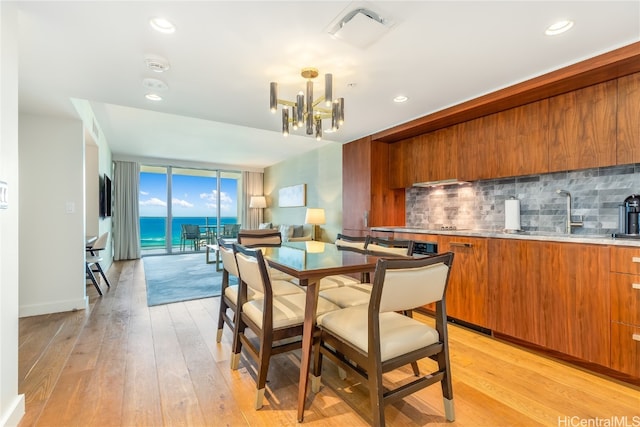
point(635, 337)
point(635, 286)
point(635, 259)
point(460, 245)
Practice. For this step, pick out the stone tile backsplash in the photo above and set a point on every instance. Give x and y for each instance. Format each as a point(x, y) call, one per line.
point(596, 194)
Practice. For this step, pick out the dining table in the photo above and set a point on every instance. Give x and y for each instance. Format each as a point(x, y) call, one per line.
point(309, 262)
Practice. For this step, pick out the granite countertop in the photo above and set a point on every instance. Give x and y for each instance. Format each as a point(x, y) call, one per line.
point(532, 235)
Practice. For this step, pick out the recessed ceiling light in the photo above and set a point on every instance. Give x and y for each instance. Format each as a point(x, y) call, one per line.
point(153, 97)
point(162, 25)
point(400, 99)
point(559, 27)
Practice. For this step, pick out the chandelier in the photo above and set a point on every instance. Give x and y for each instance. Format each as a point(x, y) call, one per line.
point(307, 112)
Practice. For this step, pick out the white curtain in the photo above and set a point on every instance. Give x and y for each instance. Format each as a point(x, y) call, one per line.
point(126, 220)
point(252, 185)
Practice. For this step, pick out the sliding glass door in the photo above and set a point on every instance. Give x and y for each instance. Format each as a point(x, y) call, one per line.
point(204, 204)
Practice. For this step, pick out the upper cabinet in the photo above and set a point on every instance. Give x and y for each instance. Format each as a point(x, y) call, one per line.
point(440, 150)
point(509, 143)
point(582, 129)
point(367, 198)
point(628, 142)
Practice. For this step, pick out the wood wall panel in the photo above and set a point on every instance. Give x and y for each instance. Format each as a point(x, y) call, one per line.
point(628, 142)
point(582, 128)
point(356, 183)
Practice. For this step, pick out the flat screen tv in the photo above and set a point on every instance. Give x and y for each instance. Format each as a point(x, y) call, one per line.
point(105, 196)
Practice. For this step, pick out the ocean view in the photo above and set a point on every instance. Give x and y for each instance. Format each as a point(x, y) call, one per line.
point(153, 229)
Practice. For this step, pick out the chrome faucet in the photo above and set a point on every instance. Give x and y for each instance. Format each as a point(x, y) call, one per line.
point(570, 223)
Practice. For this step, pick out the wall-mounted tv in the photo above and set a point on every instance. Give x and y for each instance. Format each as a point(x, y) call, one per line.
point(105, 196)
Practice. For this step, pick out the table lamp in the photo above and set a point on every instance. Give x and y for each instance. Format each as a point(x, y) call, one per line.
point(315, 217)
point(258, 202)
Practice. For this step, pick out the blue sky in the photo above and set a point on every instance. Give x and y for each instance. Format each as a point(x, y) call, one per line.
point(193, 196)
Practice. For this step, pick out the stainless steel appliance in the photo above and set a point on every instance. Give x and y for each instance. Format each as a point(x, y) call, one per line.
point(425, 248)
point(628, 215)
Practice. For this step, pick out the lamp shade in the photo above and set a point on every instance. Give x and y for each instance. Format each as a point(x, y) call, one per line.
point(314, 216)
point(258, 202)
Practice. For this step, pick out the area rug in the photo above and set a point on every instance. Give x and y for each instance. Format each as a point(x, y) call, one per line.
point(174, 278)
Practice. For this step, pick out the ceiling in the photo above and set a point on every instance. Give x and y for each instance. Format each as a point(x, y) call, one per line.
point(223, 55)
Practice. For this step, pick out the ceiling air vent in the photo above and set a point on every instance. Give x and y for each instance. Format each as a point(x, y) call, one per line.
point(360, 27)
point(157, 64)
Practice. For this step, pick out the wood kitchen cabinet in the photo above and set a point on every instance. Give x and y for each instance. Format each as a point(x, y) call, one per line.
point(628, 141)
point(435, 155)
point(513, 142)
point(625, 310)
point(402, 163)
point(575, 286)
point(514, 275)
point(367, 199)
point(582, 128)
point(552, 294)
point(467, 293)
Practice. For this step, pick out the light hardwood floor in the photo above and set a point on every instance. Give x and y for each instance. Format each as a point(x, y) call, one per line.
point(122, 363)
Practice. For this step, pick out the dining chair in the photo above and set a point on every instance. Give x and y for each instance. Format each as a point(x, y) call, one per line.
point(357, 293)
point(265, 238)
point(190, 232)
point(373, 339)
point(344, 241)
point(93, 260)
point(229, 292)
point(277, 320)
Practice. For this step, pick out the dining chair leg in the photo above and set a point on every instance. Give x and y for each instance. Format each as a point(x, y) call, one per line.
point(238, 329)
point(93, 279)
point(376, 397)
point(416, 370)
point(103, 275)
point(316, 374)
point(263, 370)
point(447, 388)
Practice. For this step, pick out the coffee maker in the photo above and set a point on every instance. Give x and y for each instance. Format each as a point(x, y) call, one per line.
point(628, 215)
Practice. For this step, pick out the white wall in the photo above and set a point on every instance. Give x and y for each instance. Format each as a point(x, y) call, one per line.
point(321, 170)
point(52, 230)
point(11, 403)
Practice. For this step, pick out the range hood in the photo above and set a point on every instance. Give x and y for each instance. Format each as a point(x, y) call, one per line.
point(452, 181)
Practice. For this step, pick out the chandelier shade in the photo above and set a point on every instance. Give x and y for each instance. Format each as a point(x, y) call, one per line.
point(304, 111)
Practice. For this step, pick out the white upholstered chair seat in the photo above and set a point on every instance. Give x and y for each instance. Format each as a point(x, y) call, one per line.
point(346, 296)
point(288, 310)
point(280, 275)
point(284, 287)
point(231, 292)
point(398, 334)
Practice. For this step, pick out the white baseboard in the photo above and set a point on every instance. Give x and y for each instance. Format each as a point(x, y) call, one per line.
point(14, 413)
point(53, 307)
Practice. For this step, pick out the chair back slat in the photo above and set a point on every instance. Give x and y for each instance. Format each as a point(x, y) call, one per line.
point(405, 289)
point(405, 284)
point(252, 238)
point(101, 243)
point(354, 242)
point(388, 246)
point(228, 258)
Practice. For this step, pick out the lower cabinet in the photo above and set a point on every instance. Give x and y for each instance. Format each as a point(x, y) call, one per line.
point(467, 293)
point(625, 310)
point(552, 294)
